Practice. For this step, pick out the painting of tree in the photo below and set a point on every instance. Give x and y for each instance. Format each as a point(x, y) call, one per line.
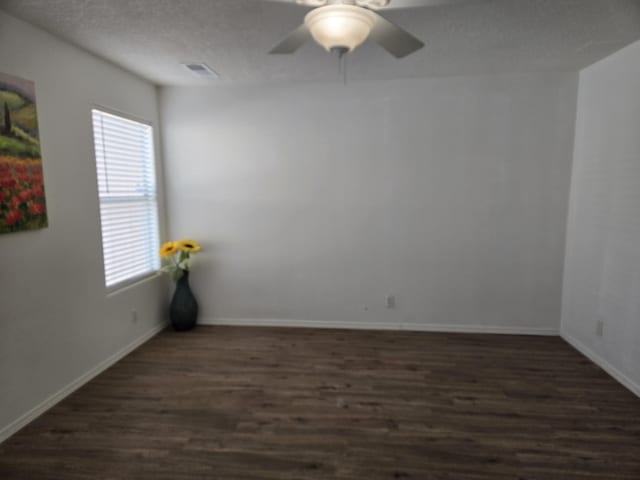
point(22, 199)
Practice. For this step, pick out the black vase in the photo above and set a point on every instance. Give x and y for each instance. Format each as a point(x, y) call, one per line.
point(183, 311)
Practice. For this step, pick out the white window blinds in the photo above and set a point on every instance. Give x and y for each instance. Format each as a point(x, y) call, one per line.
point(128, 200)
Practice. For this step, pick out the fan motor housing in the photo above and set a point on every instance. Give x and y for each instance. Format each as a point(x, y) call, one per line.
point(372, 4)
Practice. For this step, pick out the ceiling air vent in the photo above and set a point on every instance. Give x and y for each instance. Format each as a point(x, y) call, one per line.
point(201, 70)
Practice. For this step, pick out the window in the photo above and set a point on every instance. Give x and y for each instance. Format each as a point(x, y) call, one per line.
point(128, 199)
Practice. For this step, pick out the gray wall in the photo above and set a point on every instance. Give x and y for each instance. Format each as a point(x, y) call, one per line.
point(56, 321)
point(314, 202)
point(602, 280)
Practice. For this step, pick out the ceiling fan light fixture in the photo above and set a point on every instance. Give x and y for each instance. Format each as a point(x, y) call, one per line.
point(339, 25)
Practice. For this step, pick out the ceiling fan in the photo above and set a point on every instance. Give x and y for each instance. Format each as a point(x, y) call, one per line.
point(342, 25)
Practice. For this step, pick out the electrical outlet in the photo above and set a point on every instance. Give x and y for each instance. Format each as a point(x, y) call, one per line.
point(134, 315)
point(600, 328)
point(391, 301)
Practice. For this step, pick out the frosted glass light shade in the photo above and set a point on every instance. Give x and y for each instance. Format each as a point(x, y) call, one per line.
point(339, 25)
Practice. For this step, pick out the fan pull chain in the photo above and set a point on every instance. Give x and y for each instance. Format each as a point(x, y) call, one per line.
point(342, 61)
point(343, 68)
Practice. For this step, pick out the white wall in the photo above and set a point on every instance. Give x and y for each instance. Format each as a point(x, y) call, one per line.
point(314, 202)
point(602, 279)
point(56, 321)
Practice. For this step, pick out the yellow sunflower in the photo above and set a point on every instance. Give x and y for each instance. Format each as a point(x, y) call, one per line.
point(169, 249)
point(190, 246)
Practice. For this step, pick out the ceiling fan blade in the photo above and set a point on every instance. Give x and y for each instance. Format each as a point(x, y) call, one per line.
point(398, 4)
point(393, 39)
point(293, 41)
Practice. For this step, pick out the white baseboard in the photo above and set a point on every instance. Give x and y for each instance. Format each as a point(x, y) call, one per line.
point(35, 412)
point(416, 327)
point(602, 363)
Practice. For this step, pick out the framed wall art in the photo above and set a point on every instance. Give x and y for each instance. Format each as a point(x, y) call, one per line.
point(22, 199)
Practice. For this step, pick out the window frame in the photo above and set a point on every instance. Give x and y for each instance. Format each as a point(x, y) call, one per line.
point(155, 272)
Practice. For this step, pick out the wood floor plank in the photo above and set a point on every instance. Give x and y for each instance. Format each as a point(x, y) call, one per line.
point(244, 403)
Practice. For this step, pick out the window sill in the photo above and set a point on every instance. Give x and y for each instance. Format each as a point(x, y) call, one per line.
point(132, 283)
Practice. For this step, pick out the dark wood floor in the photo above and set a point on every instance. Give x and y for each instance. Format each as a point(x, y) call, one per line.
point(265, 403)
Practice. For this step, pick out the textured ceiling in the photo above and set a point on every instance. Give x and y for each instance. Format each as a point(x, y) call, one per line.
point(153, 37)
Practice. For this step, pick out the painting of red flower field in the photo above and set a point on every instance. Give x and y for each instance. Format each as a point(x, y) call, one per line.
point(22, 202)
